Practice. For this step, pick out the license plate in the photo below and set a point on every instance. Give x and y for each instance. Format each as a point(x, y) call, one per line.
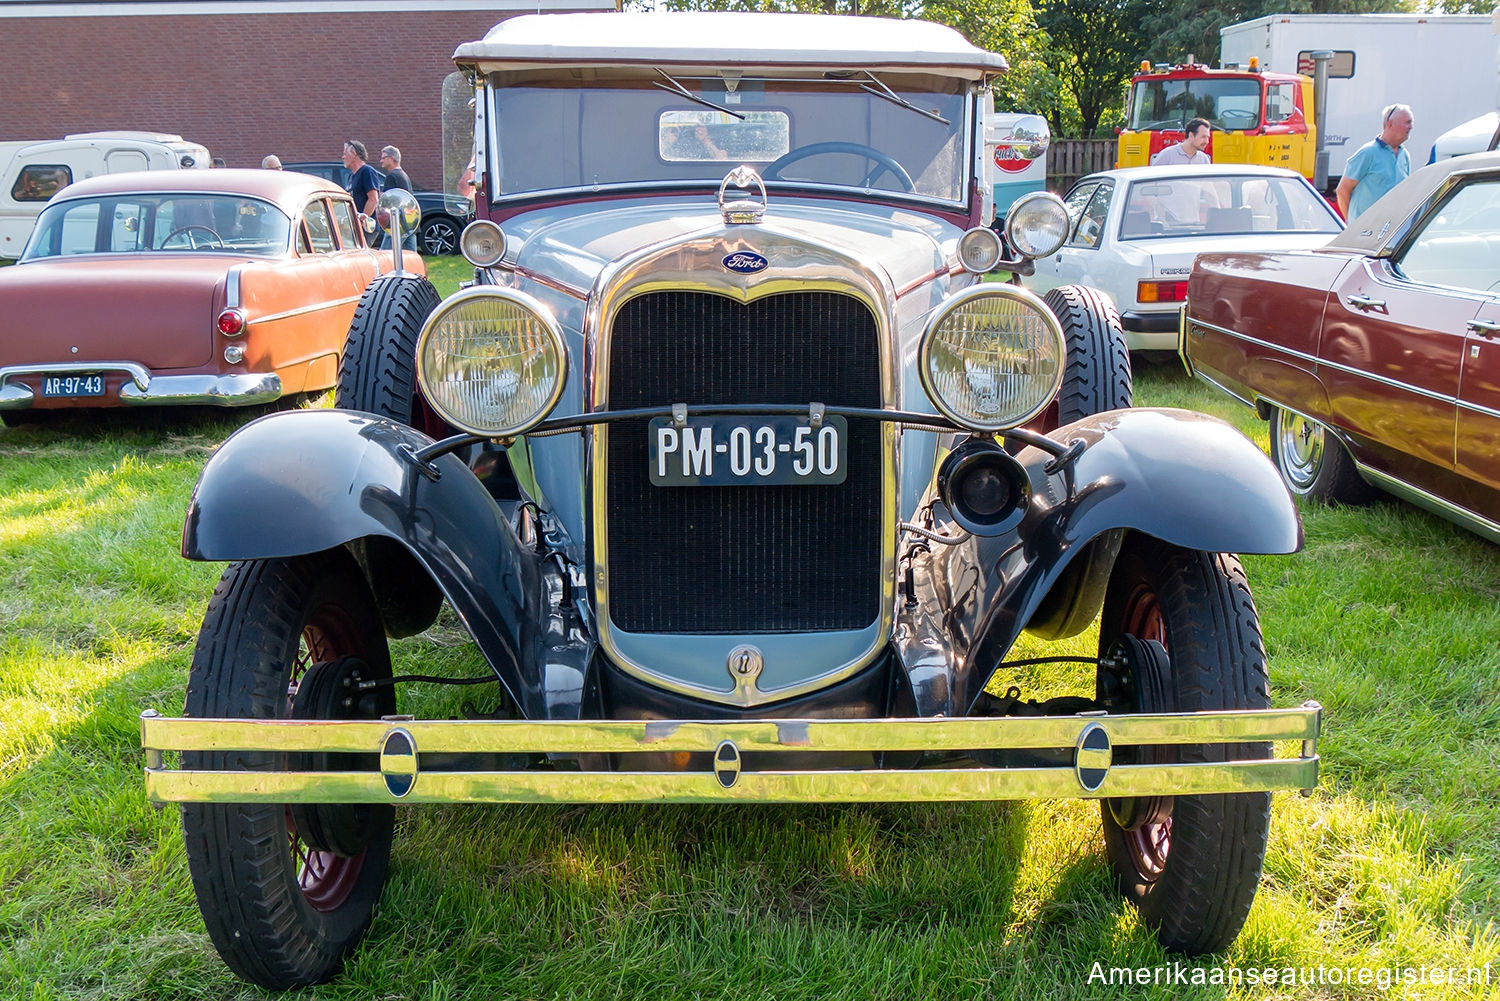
point(73, 385)
point(748, 451)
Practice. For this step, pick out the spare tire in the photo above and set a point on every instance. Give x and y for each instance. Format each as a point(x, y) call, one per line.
point(1096, 372)
point(378, 373)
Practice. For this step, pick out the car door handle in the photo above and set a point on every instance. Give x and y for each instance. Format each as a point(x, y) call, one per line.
point(1365, 303)
point(1484, 328)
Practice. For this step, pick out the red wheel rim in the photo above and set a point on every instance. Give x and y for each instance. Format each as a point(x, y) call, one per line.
point(1149, 844)
point(326, 879)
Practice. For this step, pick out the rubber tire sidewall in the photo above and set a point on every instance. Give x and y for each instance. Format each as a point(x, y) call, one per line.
point(1096, 370)
point(1335, 482)
point(378, 371)
point(239, 856)
point(1200, 901)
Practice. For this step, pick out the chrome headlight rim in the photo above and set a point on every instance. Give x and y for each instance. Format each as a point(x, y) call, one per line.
point(474, 228)
point(1026, 201)
point(981, 291)
point(549, 325)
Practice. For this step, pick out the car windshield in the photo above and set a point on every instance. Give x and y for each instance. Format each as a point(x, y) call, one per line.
point(1232, 103)
point(176, 222)
point(1223, 205)
point(890, 133)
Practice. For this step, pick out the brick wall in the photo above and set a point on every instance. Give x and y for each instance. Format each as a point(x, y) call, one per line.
point(243, 85)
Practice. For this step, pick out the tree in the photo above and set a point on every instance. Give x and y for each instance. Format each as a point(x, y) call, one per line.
point(1094, 46)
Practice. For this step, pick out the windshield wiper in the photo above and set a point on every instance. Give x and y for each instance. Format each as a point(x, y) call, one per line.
point(681, 91)
point(882, 91)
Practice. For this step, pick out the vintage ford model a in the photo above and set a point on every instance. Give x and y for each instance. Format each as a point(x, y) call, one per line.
point(730, 464)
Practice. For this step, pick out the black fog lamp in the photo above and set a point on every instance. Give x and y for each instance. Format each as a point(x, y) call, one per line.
point(986, 490)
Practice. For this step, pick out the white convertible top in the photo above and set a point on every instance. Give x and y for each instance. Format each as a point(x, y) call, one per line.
point(715, 39)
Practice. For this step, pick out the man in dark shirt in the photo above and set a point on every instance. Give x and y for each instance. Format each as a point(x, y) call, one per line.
point(395, 177)
point(364, 183)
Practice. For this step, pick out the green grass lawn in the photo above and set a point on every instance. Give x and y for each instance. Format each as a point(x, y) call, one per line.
point(1389, 618)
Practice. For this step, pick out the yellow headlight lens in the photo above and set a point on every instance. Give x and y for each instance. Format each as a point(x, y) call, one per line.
point(992, 357)
point(492, 361)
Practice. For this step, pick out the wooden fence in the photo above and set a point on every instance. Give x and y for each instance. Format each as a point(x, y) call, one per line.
point(1070, 159)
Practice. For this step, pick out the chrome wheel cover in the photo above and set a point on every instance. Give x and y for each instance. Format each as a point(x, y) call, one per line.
point(1299, 450)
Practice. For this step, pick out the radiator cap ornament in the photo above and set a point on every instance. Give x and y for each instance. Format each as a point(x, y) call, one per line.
point(742, 207)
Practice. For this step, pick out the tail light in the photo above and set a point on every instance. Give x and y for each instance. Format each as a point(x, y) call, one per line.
point(1161, 291)
point(231, 322)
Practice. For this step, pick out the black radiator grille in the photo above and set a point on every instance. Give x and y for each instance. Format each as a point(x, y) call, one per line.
point(743, 559)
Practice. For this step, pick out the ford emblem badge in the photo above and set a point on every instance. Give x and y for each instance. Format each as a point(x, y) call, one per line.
point(745, 263)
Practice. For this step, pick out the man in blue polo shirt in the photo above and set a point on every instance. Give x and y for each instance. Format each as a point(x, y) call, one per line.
point(1377, 166)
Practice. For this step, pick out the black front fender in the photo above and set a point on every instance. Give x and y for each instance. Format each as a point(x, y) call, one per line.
point(1187, 478)
point(302, 482)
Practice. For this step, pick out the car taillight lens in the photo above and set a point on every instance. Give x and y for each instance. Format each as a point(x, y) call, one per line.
point(231, 322)
point(1173, 291)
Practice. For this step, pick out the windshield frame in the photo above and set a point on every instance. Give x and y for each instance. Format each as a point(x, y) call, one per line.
point(964, 97)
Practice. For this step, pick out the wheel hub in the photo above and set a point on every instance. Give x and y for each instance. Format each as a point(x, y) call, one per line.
point(1140, 682)
point(330, 690)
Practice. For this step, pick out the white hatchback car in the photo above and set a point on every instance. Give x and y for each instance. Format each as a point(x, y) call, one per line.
point(1134, 234)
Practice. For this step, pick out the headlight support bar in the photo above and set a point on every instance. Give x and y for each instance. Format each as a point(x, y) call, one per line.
point(814, 411)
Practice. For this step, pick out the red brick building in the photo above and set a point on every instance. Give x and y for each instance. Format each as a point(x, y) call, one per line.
point(246, 77)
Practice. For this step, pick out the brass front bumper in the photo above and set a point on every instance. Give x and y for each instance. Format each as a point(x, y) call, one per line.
point(400, 743)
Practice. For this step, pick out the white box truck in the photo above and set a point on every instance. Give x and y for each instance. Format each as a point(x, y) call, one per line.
point(1442, 65)
point(32, 171)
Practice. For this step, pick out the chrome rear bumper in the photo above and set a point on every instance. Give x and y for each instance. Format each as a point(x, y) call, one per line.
point(401, 742)
point(142, 388)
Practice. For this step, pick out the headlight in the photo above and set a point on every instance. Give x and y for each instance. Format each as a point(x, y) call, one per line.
point(482, 243)
point(1037, 225)
point(992, 357)
point(491, 361)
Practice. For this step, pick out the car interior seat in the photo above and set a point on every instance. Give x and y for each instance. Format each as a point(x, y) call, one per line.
point(1137, 223)
point(1238, 219)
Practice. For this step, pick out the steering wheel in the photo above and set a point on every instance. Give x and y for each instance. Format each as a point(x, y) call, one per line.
point(884, 163)
point(192, 243)
point(1246, 118)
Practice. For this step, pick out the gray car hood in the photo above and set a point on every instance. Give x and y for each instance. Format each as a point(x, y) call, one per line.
point(571, 244)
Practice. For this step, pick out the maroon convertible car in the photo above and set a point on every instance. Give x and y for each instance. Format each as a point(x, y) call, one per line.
point(1377, 357)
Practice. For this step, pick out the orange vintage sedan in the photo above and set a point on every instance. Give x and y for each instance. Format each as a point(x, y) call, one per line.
point(221, 287)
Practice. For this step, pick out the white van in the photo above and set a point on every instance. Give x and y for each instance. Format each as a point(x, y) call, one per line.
point(34, 170)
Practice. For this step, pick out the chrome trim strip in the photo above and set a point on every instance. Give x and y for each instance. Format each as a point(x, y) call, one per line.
point(301, 310)
point(620, 736)
point(864, 786)
point(1337, 366)
point(582, 295)
point(1223, 389)
point(232, 291)
point(1474, 522)
point(160, 734)
point(693, 263)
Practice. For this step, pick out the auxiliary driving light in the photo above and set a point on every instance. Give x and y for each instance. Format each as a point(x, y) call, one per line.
point(482, 243)
point(1037, 225)
point(979, 250)
point(985, 488)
